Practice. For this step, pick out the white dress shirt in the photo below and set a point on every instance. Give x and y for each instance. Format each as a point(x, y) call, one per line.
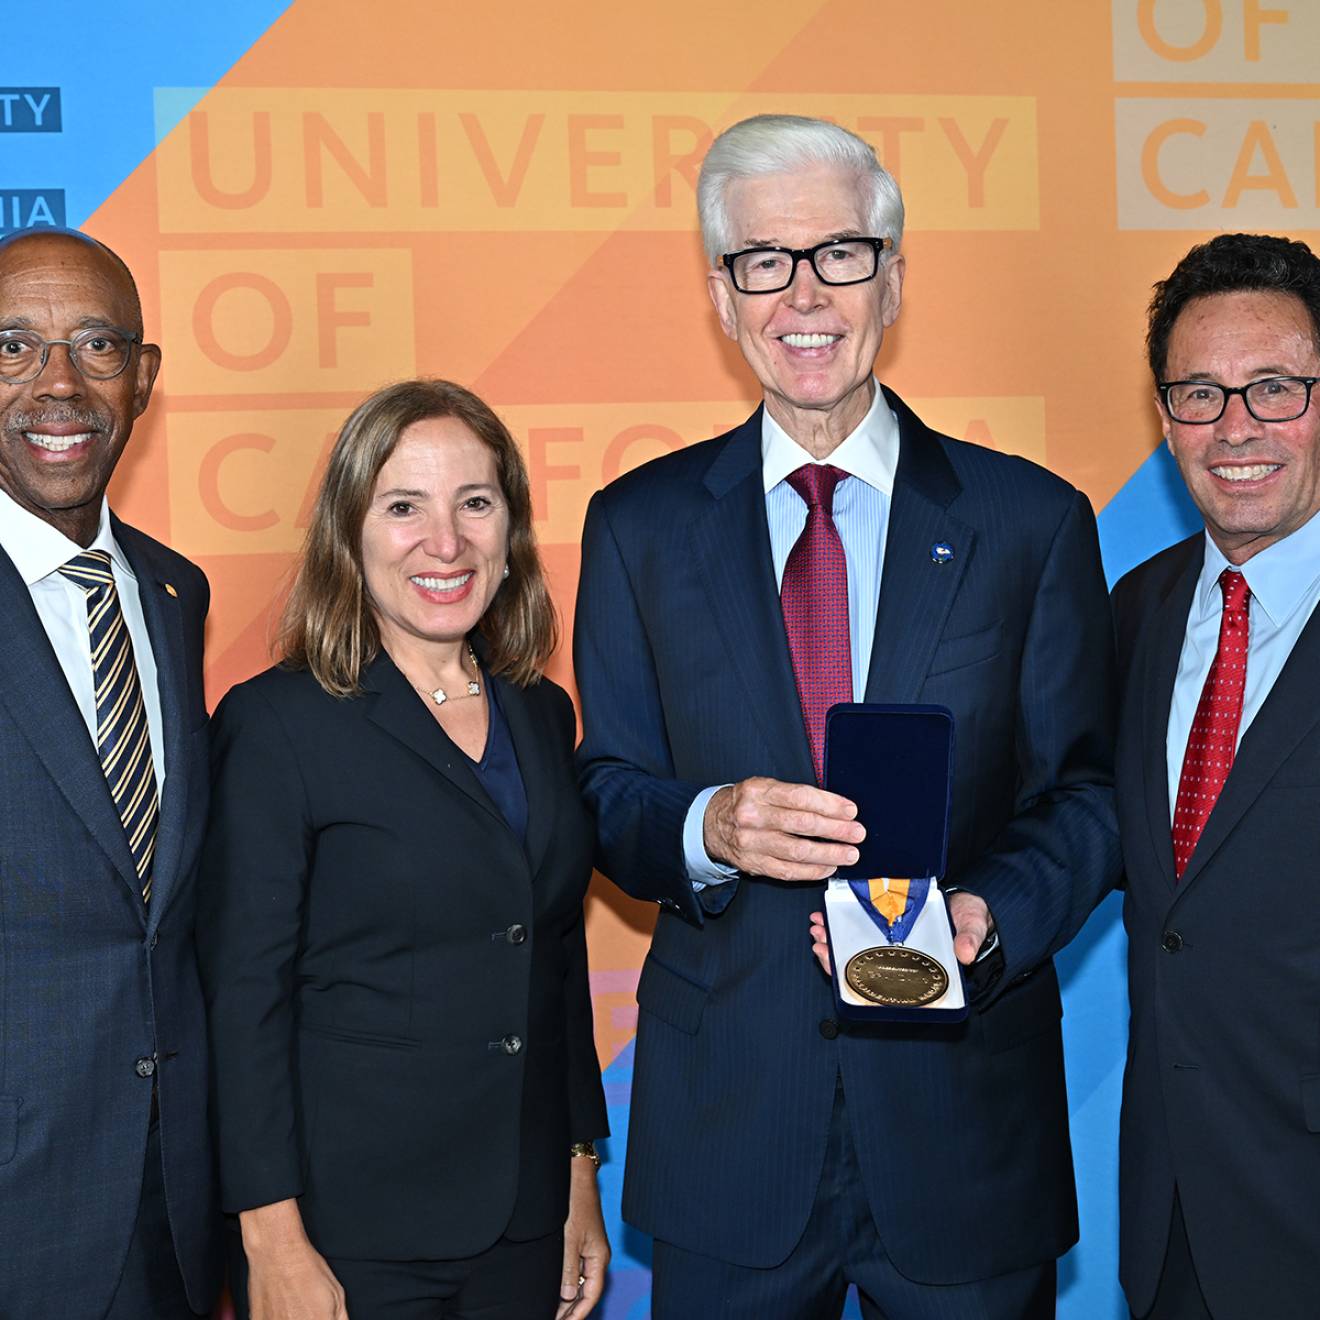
point(38, 551)
point(1284, 581)
point(869, 453)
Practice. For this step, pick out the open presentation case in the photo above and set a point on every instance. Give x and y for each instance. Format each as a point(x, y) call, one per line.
point(896, 764)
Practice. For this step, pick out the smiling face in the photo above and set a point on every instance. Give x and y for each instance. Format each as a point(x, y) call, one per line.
point(436, 536)
point(812, 346)
point(1254, 482)
point(61, 434)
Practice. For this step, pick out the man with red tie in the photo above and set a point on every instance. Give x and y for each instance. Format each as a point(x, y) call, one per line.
point(833, 548)
point(1218, 789)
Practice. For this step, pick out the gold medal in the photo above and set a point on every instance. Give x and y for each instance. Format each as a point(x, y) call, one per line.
point(897, 976)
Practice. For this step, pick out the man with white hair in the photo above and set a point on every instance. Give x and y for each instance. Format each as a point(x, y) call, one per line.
point(832, 548)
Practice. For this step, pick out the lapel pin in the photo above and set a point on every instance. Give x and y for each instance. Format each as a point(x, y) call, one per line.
point(169, 586)
point(941, 553)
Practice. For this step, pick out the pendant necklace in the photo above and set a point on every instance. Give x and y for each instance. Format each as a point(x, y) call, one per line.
point(440, 696)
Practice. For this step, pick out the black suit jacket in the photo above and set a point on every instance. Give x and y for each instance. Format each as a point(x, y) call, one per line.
point(91, 981)
point(400, 1015)
point(1222, 1090)
point(686, 681)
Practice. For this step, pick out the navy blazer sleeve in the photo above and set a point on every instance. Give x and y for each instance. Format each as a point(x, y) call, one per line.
point(640, 806)
point(1059, 854)
point(251, 899)
point(586, 1097)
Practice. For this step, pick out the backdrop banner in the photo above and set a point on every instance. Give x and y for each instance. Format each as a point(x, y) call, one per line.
point(324, 196)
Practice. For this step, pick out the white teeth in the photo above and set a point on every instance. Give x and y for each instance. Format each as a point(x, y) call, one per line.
point(1252, 473)
point(57, 444)
point(441, 584)
point(809, 341)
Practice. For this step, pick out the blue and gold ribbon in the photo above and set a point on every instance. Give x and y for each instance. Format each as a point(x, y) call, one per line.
point(893, 905)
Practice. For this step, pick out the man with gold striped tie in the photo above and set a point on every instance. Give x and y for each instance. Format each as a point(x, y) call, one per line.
point(106, 1203)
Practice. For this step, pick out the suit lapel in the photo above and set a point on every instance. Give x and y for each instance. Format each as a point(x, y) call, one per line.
point(1286, 717)
point(536, 762)
point(731, 543)
point(394, 707)
point(916, 592)
point(1160, 669)
point(164, 621)
point(37, 696)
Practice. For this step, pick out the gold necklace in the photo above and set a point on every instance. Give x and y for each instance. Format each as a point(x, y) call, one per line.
point(440, 696)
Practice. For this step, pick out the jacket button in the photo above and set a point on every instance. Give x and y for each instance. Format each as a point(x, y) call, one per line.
point(1171, 942)
point(145, 1066)
point(516, 934)
point(829, 1028)
point(511, 1044)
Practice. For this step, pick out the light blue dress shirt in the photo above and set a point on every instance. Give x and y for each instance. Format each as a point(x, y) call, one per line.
point(869, 454)
point(1284, 581)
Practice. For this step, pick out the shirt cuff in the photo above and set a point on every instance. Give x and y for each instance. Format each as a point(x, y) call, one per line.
point(701, 870)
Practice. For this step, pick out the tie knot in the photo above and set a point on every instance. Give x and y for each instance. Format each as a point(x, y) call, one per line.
point(1235, 589)
point(815, 482)
point(90, 570)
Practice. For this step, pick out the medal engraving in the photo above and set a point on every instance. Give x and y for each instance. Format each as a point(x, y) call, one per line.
point(894, 975)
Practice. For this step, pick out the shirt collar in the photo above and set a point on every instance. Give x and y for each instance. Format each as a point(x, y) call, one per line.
point(1280, 577)
point(37, 549)
point(869, 452)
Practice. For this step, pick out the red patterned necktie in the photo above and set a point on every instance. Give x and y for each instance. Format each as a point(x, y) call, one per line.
point(814, 598)
point(1213, 739)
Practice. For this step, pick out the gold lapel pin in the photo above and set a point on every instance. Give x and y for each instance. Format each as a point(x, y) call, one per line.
point(169, 586)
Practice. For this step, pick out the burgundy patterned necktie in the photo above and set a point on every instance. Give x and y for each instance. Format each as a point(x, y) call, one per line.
point(814, 598)
point(1213, 739)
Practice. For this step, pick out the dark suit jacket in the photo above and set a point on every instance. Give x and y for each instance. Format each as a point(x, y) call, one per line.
point(686, 681)
point(1222, 1090)
point(91, 982)
point(399, 1008)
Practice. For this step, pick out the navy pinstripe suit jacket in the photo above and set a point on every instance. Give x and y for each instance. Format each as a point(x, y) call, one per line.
point(90, 980)
point(686, 681)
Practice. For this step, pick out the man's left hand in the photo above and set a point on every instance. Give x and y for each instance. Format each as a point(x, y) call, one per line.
point(972, 924)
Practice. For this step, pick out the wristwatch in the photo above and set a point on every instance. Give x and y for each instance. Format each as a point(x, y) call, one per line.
point(584, 1150)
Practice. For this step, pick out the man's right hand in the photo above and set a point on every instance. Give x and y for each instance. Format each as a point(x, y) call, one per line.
point(785, 831)
point(288, 1279)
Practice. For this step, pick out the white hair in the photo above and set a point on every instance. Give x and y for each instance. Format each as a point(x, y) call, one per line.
point(780, 144)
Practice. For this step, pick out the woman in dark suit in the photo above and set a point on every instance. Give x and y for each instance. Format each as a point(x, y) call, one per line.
point(406, 1085)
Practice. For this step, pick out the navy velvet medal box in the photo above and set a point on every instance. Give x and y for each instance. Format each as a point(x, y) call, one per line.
point(896, 764)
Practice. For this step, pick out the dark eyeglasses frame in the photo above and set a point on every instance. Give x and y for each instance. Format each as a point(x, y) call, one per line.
point(1228, 391)
point(132, 336)
point(809, 255)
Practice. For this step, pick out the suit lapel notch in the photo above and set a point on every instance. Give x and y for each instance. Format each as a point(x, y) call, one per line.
point(37, 695)
point(1161, 669)
point(163, 617)
point(394, 708)
point(1286, 718)
point(532, 749)
point(927, 551)
point(731, 544)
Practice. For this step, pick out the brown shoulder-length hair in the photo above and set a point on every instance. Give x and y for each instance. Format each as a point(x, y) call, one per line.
point(328, 626)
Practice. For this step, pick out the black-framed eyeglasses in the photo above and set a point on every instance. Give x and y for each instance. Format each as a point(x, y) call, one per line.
point(836, 261)
point(1271, 399)
point(100, 353)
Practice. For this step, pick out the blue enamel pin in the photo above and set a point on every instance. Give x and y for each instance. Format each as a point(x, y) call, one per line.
point(941, 553)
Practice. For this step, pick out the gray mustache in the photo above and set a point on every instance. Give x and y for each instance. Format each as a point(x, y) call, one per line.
point(87, 418)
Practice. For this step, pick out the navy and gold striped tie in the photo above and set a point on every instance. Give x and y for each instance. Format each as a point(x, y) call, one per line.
point(123, 741)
